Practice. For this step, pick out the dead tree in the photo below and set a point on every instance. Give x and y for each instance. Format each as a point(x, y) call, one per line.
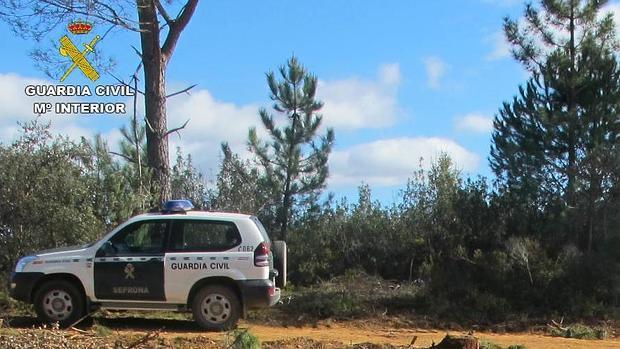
point(37, 19)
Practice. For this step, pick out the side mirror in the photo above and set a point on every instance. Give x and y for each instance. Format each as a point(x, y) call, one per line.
point(107, 249)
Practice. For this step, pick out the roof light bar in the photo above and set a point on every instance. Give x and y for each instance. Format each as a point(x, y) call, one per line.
point(177, 206)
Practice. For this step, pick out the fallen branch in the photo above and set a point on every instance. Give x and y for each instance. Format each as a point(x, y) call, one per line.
point(558, 325)
point(79, 331)
point(146, 338)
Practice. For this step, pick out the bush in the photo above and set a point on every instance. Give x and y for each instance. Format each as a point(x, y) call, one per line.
point(489, 345)
point(580, 331)
point(244, 339)
point(101, 331)
point(323, 304)
point(353, 295)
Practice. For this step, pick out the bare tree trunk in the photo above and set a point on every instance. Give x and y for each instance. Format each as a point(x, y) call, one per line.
point(287, 201)
point(154, 97)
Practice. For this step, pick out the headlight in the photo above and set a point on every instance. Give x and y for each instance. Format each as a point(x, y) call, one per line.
point(23, 262)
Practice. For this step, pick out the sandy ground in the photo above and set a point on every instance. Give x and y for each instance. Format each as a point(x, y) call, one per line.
point(342, 332)
point(353, 333)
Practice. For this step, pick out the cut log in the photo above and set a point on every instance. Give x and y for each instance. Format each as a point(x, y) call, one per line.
point(458, 342)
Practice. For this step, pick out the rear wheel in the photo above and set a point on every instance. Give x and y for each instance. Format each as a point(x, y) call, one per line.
point(279, 248)
point(216, 308)
point(59, 301)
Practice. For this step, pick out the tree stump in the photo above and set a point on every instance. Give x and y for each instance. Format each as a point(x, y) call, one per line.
point(458, 342)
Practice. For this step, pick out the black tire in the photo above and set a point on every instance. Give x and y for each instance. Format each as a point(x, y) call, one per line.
point(280, 252)
point(59, 301)
point(216, 308)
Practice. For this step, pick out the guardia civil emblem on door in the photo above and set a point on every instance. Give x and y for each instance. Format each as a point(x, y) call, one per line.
point(129, 269)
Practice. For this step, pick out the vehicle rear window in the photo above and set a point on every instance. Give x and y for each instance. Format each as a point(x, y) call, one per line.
point(204, 236)
point(261, 228)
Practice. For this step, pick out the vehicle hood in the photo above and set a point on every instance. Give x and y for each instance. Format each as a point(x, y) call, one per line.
point(61, 250)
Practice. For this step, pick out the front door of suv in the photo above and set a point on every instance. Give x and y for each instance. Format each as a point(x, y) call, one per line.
point(130, 265)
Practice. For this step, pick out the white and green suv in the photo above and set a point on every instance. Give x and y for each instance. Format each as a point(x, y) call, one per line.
point(217, 265)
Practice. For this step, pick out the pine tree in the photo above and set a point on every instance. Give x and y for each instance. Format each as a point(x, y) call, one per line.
point(240, 187)
point(133, 151)
point(294, 160)
point(116, 198)
point(187, 182)
point(554, 141)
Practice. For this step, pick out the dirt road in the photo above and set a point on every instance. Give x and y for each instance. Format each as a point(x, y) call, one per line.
point(352, 335)
point(348, 333)
point(345, 333)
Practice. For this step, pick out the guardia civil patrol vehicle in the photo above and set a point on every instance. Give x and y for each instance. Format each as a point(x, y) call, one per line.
point(216, 265)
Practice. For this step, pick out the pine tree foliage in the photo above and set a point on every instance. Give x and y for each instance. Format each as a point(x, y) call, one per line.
point(133, 151)
point(187, 182)
point(115, 197)
point(240, 186)
point(294, 160)
point(555, 142)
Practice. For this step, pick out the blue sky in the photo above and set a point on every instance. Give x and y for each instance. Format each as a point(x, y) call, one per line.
point(400, 80)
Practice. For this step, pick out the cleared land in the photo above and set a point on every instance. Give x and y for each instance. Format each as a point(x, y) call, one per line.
point(185, 334)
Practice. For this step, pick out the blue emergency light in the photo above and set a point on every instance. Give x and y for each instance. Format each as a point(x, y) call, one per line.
point(177, 206)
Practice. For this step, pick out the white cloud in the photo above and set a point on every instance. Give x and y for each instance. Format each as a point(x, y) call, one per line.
point(355, 103)
point(211, 122)
point(15, 104)
point(351, 103)
point(435, 70)
point(501, 46)
point(474, 122)
point(390, 162)
point(18, 107)
point(389, 74)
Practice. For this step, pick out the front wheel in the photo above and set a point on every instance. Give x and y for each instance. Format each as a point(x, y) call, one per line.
point(216, 308)
point(59, 301)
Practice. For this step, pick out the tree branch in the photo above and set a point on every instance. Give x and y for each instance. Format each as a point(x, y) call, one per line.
point(162, 11)
point(126, 84)
point(137, 51)
point(123, 156)
point(116, 19)
point(182, 91)
point(176, 27)
point(176, 129)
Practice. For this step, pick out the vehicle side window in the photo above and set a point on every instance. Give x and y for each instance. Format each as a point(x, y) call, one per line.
point(205, 236)
point(140, 238)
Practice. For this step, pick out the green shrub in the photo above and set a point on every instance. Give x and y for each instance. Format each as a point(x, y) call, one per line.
point(489, 345)
point(323, 304)
point(580, 331)
point(101, 331)
point(244, 339)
